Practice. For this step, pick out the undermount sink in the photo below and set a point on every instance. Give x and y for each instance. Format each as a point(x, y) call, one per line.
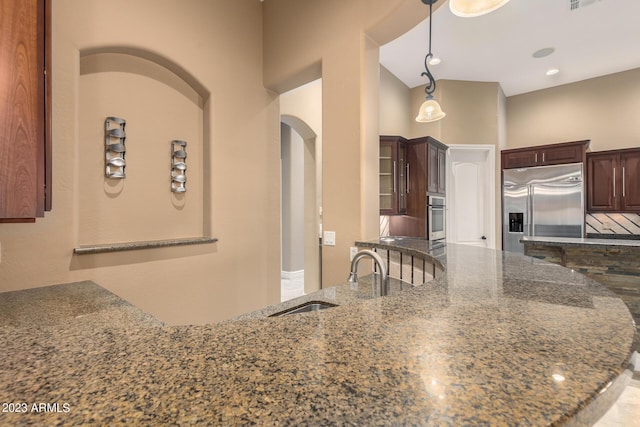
point(304, 308)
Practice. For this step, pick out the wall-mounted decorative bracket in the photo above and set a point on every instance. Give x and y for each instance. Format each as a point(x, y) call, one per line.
point(178, 166)
point(114, 148)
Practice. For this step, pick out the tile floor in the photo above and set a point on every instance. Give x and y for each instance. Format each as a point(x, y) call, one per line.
point(624, 413)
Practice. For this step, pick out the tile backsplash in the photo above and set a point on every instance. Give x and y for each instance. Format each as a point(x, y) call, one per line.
point(384, 225)
point(613, 223)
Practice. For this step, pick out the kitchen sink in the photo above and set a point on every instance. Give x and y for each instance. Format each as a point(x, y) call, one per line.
point(305, 308)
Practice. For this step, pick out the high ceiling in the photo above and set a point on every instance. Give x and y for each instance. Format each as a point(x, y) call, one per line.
point(599, 37)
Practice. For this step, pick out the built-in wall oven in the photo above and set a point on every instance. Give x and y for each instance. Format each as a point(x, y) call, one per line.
point(436, 217)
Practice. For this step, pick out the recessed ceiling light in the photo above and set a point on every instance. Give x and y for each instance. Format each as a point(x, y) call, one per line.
point(552, 71)
point(435, 61)
point(543, 52)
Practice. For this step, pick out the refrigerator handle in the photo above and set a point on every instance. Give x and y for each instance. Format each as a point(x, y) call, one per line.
point(527, 223)
point(532, 230)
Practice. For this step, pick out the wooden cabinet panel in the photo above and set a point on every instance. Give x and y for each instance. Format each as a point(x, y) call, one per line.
point(24, 116)
point(601, 182)
point(572, 153)
point(416, 190)
point(630, 174)
point(442, 170)
point(519, 159)
point(393, 197)
point(546, 155)
point(432, 177)
point(402, 176)
point(613, 181)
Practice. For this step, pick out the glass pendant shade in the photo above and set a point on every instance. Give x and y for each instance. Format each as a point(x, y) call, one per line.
point(471, 8)
point(430, 111)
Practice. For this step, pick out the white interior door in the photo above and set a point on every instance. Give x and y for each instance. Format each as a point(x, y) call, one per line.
point(471, 195)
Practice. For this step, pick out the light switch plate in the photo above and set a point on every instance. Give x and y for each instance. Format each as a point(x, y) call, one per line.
point(329, 238)
point(352, 252)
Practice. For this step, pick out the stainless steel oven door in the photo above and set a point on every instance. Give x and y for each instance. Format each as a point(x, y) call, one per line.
point(436, 218)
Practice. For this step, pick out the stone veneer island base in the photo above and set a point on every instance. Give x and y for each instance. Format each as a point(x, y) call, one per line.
point(613, 262)
point(494, 339)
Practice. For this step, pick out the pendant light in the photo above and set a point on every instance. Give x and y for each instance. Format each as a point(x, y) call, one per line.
point(430, 110)
point(472, 8)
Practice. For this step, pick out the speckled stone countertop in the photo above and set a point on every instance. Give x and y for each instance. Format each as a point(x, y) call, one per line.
point(578, 241)
point(499, 339)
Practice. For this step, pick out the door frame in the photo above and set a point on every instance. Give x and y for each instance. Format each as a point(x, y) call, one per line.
point(491, 206)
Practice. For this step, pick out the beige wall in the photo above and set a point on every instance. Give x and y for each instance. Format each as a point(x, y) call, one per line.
point(395, 103)
point(604, 110)
point(342, 48)
point(240, 137)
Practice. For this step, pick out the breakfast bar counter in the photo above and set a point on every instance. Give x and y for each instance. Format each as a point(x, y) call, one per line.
point(494, 339)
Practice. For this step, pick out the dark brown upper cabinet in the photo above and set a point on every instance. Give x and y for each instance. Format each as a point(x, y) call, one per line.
point(436, 182)
point(613, 181)
point(25, 109)
point(545, 155)
point(393, 175)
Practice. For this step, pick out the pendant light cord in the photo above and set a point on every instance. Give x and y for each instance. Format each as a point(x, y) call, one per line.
point(431, 87)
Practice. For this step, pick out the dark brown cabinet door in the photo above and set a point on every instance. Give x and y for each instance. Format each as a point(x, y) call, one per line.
point(519, 159)
point(601, 182)
point(442, 170)
point(393, 197)
point(402, 176)
point(416, 190)
point(561, 155)
point(630, 186)
point(24, 118)
point(613, 181)
point(432, 177)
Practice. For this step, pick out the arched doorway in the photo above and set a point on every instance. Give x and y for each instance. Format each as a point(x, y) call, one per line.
point(300, 208)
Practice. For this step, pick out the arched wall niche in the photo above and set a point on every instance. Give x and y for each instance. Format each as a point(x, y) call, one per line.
point(161, 102)
point(164, 62)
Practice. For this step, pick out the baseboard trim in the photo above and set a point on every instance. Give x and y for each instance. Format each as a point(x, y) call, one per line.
point(292, 275)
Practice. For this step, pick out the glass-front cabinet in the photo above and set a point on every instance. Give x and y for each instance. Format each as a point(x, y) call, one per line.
point(393, 175)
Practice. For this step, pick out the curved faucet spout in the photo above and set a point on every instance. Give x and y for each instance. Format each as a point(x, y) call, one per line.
point(380, 288)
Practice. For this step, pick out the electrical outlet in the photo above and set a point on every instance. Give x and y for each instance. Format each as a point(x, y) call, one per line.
point(606, 225)
point(352, 252)
point(329, 238)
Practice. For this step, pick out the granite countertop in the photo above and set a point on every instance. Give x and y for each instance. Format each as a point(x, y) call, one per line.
point(499, 339)
point(581, 241)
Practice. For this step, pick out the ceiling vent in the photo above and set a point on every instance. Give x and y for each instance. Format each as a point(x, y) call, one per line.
point(577, 4)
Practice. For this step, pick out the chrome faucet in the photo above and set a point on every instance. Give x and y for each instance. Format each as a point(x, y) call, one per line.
point(380, 281)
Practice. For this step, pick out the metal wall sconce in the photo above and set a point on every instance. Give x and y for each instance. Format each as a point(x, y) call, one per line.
point(178, 166)
point(114, 137)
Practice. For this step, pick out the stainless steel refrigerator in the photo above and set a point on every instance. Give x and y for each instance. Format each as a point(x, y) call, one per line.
point(542, 201)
